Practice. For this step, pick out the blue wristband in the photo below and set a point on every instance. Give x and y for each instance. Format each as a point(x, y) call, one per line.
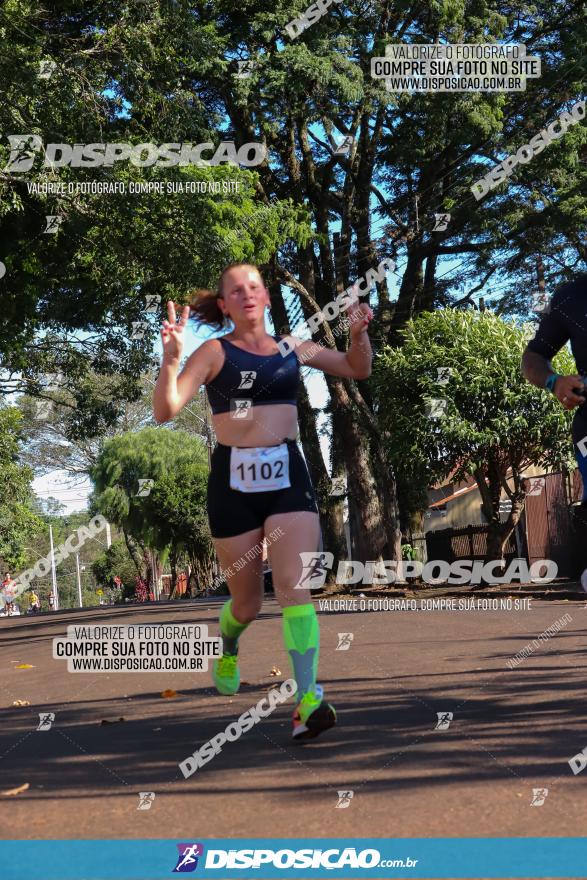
point(550, 382)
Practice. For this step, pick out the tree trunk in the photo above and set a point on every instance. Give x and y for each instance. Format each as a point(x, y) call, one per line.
point(370, 541)
point(390, 509)
point(133, 550)
point(490, 482)
point(173, 566)
point(410, 291)
point(331, 514)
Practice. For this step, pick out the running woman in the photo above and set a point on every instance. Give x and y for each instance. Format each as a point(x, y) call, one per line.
point(259, 481)
point(565, 319)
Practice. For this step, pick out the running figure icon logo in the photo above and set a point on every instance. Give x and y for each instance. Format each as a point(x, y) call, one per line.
point(539, 795)
point(22, 156)
point(53, 222)
point(444, 719)
point(146, 798)
point(247, 379)
point(188, 857)
point(435, 407)
point(46, 69)
point(46, 719)
point(344, 641)
point(441, 222)
point(344, 799)
point(315, 566)
point(344, 147)
point(241, 409)
point(145, 487)
point(535, 486)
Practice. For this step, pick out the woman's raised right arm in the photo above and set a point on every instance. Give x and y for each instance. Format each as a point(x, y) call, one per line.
point(172, 391)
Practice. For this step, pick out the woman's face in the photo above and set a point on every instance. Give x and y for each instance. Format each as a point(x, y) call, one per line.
point(244, 295)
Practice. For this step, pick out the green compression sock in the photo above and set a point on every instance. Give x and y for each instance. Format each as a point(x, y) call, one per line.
point(230, 629)
point(301, 634)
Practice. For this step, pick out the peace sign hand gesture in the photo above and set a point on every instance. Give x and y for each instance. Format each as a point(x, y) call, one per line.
point(172, 332)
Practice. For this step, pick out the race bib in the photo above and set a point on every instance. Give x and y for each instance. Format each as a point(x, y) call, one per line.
point(259, 469)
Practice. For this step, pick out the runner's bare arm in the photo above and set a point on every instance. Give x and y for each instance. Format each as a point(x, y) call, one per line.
point(354, 363)
point(173, 392)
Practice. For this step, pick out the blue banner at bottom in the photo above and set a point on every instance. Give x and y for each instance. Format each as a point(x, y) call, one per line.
point(531, 857)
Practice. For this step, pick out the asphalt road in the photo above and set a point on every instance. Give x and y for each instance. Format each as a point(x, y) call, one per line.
point(513, 730)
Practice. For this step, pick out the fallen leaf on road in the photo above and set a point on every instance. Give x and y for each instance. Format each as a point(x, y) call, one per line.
point(167, 695)
point(25, 666)
point(18, 790)
point(115, 721)
point(275, 671)
point(21, 703)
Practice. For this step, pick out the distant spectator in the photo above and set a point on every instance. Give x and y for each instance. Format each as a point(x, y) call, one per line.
point(8, 591)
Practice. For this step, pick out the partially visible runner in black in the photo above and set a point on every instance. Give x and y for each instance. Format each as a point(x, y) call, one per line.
point(566, 319)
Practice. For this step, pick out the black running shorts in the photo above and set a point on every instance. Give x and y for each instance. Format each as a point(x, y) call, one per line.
point(232, 513)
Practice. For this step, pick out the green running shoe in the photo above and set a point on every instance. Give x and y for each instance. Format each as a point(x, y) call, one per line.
point(312, 716)
point(226, 674)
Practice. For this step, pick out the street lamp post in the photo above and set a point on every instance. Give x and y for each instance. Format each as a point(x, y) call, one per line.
point(53, 573)
point(79, 581)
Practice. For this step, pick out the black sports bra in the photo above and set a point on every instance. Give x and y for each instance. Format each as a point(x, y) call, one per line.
point(261, 378)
